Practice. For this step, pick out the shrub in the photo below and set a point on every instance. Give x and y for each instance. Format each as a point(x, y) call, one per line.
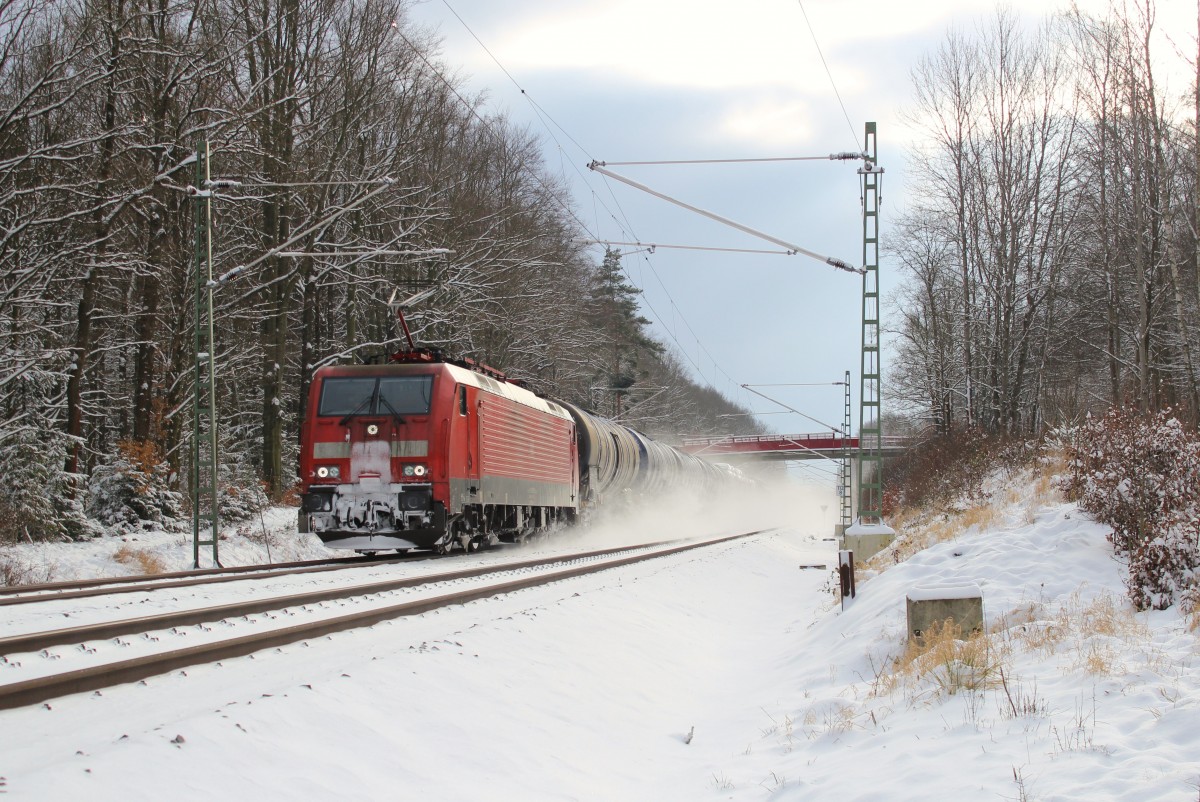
point(239, 497)
point(948, 467)
point(40, 500)
point(1141, 475)
point(132, 490)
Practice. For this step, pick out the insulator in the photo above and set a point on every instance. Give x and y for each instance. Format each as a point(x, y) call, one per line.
point(840, 265)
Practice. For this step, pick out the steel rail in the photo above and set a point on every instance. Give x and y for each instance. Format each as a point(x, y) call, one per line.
point(41, 689)
point(36, 641)
point(70, 585)
point(87, 588)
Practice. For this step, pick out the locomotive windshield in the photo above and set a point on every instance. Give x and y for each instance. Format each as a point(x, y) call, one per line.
point(382, 395)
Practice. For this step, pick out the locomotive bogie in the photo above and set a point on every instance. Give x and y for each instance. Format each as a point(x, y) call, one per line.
point(399, 516)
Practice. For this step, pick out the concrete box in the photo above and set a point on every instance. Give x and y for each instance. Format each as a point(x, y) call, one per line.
point(930, 604)
point(867, 540)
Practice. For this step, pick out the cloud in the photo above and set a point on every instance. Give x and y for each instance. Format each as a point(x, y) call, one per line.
point(765, 120)
point(711, 44)
point(669, 42)
point(684, 79)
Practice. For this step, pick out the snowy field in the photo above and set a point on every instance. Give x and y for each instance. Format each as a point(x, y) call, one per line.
point(729, 673)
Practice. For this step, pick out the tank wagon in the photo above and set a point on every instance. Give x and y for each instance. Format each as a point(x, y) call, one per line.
point(430, 453)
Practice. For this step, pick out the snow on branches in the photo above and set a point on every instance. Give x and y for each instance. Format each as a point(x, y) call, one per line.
point(133, 490)
point(1141, 475)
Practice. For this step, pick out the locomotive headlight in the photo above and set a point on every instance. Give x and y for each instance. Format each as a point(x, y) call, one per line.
point(373, 429)
point(328, 472)
point(419, 470)
point(323, 472)
point(408, 470)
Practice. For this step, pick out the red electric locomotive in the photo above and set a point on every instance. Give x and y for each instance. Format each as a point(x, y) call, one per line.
point(423, 453)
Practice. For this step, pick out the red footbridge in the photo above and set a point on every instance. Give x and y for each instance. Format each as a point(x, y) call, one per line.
point(823, 445)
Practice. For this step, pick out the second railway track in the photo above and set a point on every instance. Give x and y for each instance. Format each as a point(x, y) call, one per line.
point(108, 586)
point(374, 597)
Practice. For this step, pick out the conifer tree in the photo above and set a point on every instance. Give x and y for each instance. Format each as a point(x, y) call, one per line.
point(614, 313)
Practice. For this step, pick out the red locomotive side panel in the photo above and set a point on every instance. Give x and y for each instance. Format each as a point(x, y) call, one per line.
point(517, 450)
point(517, 444)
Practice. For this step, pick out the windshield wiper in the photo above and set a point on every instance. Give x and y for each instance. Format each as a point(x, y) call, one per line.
point(356, 410)
point(395, 415)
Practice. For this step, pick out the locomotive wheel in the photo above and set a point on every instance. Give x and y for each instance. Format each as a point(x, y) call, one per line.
point(441, 548)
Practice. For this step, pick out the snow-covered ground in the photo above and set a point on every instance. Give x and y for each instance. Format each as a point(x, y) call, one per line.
point(729, 673)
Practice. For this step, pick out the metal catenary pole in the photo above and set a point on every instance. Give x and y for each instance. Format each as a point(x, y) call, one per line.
point(870, 426)
point(844, 489)
point(204, 402)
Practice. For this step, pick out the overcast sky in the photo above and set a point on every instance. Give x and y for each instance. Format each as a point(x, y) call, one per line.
point(631, 80)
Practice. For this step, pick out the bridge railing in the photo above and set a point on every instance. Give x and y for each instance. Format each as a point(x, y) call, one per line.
point(765, 438)
point(810, 440)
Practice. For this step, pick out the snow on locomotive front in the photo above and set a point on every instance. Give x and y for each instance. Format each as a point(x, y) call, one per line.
point(431, 455)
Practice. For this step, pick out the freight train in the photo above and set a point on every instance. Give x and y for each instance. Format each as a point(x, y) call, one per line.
point(430, 453)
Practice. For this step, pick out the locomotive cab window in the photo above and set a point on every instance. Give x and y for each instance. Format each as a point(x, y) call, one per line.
point(462, 399)
point(404, 395)
point(386, 395)
point(346, 396)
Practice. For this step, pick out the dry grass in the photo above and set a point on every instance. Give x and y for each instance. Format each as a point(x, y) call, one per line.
point(1099, 658)
point(1096, 636)
point(1045, 491)
point(982, 517)
point(1097, 633)
point(915, 532)
point(1034, 628)
point(1111, 616)
point(1020, 701)
point(1189, 605)
point(140, 559)
point(1193, 621)
point(950, 662)
point(16, 571)
point(918, 529)
point(833, 717)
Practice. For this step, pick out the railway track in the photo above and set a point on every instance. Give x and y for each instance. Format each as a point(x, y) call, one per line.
point(108, 586)
point(95, 644)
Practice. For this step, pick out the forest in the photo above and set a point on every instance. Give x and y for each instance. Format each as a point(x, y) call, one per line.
point(1049, 255)
point(348, 163)
point(1047, 251)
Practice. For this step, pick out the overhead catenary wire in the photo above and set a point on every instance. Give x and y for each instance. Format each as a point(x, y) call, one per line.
point(753, 414)
point(651, 246)
point(793, 409)
point(818, 469)
point(845, 156)
point(828, 73)
point(800, 384)
point(829, 260)
point(627, 226)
